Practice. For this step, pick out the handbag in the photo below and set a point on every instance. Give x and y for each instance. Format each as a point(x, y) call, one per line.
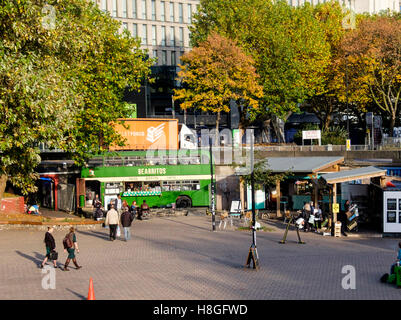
point(53, 255)
point(118, 231)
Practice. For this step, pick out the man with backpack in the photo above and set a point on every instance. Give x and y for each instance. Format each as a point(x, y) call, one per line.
point(70, 244)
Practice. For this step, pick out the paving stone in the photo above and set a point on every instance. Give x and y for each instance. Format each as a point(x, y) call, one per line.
point(182, 258)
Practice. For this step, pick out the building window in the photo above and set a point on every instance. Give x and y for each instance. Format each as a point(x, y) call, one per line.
point(181, 37)
point(172, 37)
point(114, 8)
point(104, 5)
point(164, 57)
point(154, 52)
point(134, 30)
point(154, 36)
point(144, 34)
point(172, 11)
point(173, 58)
point(180, 13)
point(189, 13)
point(162, 11)
point(124, 8)
point(181, 54)
point(153, 10)
point(163, 36)
point(125, 26)
point(144, 16)
point(134, 14)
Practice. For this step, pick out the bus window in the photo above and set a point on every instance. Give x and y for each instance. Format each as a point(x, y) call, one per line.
point(190, 185)
point(152, 186)
point(133, 186)
point(171, 186)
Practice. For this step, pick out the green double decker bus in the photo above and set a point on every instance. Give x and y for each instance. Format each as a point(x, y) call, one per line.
point(159, 179)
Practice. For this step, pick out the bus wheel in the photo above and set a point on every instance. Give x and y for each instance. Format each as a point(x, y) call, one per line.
point(183, 202)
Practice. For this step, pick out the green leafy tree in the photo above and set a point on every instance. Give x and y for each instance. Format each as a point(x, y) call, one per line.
point(58, 61)
point(287, 43)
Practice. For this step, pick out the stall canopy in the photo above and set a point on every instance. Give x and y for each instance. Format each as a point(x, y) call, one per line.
point(353, 174)
point(302, 164)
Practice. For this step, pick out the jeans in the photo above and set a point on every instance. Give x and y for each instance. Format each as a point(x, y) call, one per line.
point(127, 233)
point(113, 230)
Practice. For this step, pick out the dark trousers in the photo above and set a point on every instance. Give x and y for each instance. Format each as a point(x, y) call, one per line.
point(113, 231)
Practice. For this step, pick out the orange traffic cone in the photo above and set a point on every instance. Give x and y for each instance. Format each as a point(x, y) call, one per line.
point(91, 292)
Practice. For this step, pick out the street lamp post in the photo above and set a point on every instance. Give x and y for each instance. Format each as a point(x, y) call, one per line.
point(253, 251)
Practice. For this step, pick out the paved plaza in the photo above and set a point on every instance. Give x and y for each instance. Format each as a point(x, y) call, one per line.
point(181, 258)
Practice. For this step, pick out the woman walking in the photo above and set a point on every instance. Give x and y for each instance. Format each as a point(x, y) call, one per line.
point(50, 248)
point(70, 244)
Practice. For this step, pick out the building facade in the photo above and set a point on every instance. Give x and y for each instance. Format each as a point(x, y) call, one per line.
point(162, 26)
point(358, 6)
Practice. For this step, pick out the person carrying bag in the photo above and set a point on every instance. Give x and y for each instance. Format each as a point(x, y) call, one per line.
point(51, 253)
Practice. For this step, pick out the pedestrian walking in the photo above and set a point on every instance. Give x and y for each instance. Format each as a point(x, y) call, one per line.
point(126, 221)
point(112, 220)
point(50, 248)
point(70, 244)
point(133, 209)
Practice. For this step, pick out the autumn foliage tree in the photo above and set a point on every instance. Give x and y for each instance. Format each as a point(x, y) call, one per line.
point(372, 53)
point(216, 72)
point(287, 43)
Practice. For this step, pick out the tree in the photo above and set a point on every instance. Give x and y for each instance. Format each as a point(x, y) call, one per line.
point(49, 52)
point(373, 57)
point(330, 16)
point(216, 72)
point(287, 44)
point(114, 64)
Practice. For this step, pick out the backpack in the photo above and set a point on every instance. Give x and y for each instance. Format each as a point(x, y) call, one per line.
point(67, 243)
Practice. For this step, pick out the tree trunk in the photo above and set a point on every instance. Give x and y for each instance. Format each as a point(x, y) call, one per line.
point(216, 138)
point(277, 129)
point(3, 183)
point(392, 124)
point(266, 127)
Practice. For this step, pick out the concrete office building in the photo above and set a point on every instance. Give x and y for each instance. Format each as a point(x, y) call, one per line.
point(163, 29)
point(162, 26)
point(358, 6)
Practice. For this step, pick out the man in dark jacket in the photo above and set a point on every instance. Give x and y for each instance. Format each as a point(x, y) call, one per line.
point(126, 221)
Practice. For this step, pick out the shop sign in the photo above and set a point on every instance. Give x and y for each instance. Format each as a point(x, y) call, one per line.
point(153, 171)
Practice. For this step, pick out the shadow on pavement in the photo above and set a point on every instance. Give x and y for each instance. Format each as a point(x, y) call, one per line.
point(96, 234)
point(187, 224)
point(77, 294)
point(37, 259)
